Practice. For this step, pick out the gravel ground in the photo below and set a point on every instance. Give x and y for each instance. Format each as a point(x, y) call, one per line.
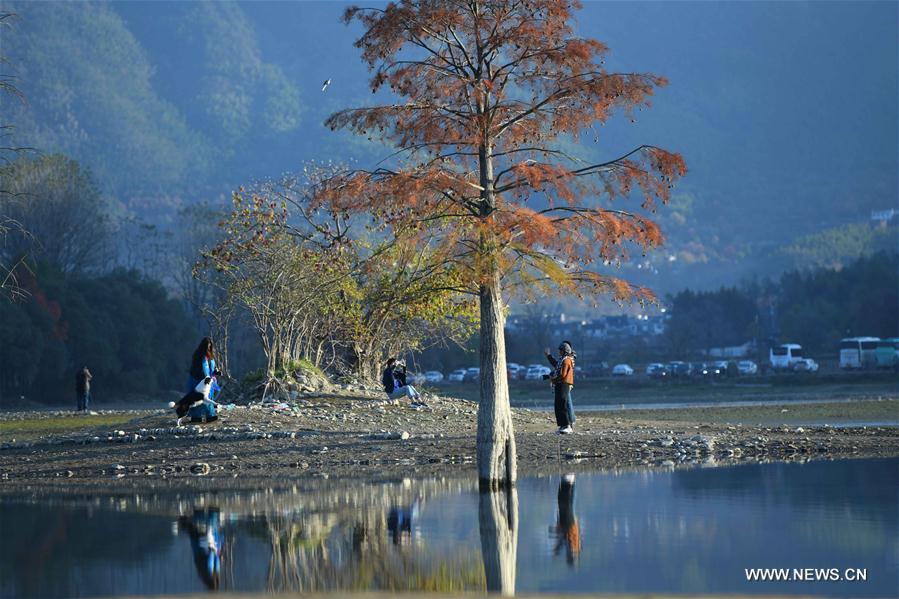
point(347, 436)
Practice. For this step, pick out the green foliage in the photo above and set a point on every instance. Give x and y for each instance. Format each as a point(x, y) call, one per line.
point(294, 367)
point(121, 326)
point(819, 307)
point(90, 94)
point(238, 91)
point(255, 376)
point(700, 320)
point(812, 307)
point(57, 202)
point(35, 428)
point(838, 246)
point(320, 296)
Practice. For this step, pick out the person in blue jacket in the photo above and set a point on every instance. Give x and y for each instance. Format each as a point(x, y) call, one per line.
point(202, 364)
point(206, 540)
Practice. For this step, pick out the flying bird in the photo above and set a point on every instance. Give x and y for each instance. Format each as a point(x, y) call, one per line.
point(326, 84)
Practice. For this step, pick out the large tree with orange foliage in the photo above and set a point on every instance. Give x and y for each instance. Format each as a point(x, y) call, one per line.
point(489, 88)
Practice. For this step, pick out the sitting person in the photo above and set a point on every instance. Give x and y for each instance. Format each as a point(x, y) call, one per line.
point(394, 380)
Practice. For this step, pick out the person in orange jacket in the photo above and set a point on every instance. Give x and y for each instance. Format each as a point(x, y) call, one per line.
point(562, 379)
point(567, 531)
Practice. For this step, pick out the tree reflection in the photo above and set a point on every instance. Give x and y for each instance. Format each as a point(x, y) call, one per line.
point(374, 548)
point(498, 519)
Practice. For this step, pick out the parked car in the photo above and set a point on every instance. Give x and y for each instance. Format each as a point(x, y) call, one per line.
point(805, 365)
point(622, 370)
point(535, 372)
point(679, 369)
point(595, 370)
point(784, 356)
point(747, 367)
point(472, 374)
point(656, 370)
point(719, 367)
point(416, 378)
point(515, 371)
point(709, 369)
point(456, 376)
point(434, 376)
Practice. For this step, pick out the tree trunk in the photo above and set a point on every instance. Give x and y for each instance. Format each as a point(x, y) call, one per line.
point(496, 438)
point(498, 523)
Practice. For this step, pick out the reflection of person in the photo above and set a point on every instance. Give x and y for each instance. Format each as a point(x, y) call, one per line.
point(394, 380)
point(83, 388)
point(399, 522)
point(205, 533)
point(568, 533)
point(562, 379)
point(202, 365)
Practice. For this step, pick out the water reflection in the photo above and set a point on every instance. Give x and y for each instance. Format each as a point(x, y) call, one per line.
point(498, 525)
point(567, 533)
point(204, 529)
point(399, 522)
point(684, 531)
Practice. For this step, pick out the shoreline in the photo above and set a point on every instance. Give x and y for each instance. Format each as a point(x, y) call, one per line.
point(361, 438)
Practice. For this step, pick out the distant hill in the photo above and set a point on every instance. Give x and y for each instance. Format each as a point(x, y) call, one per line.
point(785, 112)
point(838, 246)
point(91, 94)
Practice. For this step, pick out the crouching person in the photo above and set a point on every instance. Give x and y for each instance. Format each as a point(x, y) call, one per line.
point(202, 367)
point(394, 380)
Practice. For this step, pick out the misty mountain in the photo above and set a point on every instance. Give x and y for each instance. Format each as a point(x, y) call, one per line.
point(786, 113)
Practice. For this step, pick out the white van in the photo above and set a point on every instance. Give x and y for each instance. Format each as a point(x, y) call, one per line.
point(858, 352)
point(785, 355)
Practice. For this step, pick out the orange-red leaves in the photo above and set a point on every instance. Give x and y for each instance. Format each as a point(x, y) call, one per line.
point(485, 91)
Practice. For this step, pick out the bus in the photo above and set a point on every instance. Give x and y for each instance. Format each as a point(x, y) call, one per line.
point(887, 353)
point(785, 355)
point(858, 352)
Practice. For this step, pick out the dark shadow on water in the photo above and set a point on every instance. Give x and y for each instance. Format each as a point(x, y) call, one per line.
point(400, 520)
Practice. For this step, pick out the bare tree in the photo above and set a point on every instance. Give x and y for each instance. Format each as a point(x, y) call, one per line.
point(11, 230)
point(64, 213)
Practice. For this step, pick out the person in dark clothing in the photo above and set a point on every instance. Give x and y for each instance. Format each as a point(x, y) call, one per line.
point(562, 379)
point(400, 520)
point(83, 389)
point(393, 378)
point(568, 533)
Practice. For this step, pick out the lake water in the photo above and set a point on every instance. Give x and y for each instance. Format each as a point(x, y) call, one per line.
point(679, 531)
